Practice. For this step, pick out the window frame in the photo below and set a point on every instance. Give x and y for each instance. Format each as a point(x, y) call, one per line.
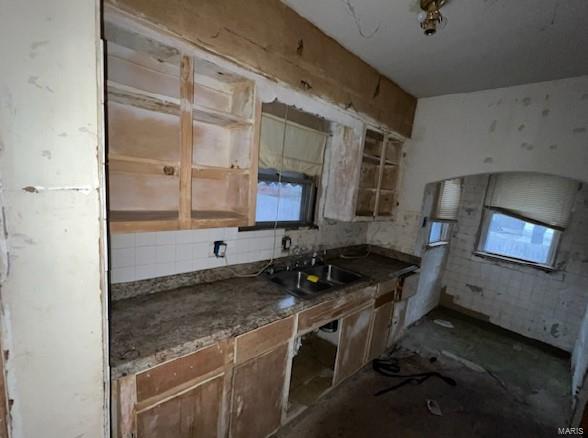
point(487, 214)
point(308, 206)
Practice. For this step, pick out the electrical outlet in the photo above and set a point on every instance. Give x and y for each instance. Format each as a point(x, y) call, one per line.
point(286, 243)
point(220, 248)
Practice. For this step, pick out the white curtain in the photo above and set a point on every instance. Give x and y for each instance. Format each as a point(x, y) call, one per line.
point(303, 147)
point(543, 198)
point(448, 200)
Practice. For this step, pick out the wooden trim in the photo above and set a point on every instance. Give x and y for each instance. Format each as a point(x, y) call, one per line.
point(263, 339)
point(216, 172)
point(127, 392)
point(186, 139)
point(254, 163)
point(288, 378)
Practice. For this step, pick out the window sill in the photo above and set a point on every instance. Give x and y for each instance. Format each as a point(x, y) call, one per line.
point(486, 255)
point(280, 226)
point(436, 244)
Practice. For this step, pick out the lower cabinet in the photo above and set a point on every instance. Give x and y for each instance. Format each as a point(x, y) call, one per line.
point(353, 342)
point(380, 329)
point(258, 394)
point(194, 413)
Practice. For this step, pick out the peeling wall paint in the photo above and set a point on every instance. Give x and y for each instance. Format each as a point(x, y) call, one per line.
point(52, 320)
point(534, 303)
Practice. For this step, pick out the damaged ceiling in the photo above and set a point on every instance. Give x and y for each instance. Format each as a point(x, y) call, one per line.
point(486, 44)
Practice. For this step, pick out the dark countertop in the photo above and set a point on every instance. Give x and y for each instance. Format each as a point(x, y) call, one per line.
point(149, 329)
point(377, 267)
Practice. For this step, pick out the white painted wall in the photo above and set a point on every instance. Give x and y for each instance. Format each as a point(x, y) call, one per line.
point(52, 295)
point(536, 304)
point(541, 127)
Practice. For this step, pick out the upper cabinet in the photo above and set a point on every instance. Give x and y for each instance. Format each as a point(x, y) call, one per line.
point(182, 137)
point(366, 174)
point(378, 178)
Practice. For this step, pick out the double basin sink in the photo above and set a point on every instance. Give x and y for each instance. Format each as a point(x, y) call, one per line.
point(307, 282)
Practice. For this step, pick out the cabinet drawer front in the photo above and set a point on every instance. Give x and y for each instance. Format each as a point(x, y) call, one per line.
point(329, 311)
point(263, 339)
point(387, 286)
point(179, 371)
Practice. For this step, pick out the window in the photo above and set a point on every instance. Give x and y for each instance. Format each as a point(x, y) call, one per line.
point(444, 212)
point(291, 154)
point(518, 239)
point(288, 200)
point(438, 233)
point(524, 217)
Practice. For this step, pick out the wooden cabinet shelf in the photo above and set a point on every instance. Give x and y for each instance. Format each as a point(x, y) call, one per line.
point(376, 192)
point(182, 137)
point(135, 221)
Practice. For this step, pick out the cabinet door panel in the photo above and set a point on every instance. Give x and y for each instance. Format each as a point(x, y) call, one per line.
point(352, 344)
point(193, 414)
point(258, 387)
point(380, 329)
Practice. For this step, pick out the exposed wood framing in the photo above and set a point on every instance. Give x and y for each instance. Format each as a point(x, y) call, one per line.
point(265, 35)
point(186, 139)
point(254, 154)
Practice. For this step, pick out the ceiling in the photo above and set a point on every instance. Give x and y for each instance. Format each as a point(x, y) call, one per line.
point(486, 44)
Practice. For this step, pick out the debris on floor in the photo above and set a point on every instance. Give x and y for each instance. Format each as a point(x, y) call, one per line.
point(444, 323)
point(434, 408)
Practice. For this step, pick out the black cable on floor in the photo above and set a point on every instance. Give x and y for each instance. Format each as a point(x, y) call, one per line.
point(391, 368)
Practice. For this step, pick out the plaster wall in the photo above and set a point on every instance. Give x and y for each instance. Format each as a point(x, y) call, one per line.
point(540, 127)
point(52, 288)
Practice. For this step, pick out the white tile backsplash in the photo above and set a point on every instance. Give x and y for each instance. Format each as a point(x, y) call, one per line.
point(544, 306)
point(140, 256)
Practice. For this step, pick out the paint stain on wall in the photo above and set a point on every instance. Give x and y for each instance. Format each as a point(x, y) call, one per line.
point(579, 130)
point(527, 101)
point(488, 160)
point(521, 127)
point(545, 112)
point(527, 146)
point(553, 147)
point(493, 126)
point(46, 154)
point(554, 330)
point(475, 289)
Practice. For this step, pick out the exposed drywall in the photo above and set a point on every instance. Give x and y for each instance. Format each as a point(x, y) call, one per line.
point(302, 56)
point(148, 255)
point(540, 127)
point(49, 168)
point(534, 303)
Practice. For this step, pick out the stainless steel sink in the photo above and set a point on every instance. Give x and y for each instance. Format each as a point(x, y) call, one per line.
point(333, 274)
point(329, 277)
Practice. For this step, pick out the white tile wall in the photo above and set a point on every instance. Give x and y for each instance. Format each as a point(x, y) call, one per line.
point(140, 256)
point(544, 306)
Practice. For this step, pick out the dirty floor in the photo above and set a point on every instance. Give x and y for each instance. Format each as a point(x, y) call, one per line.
point(506, 386)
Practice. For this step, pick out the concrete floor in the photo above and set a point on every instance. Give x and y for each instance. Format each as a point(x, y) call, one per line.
point(507, 386)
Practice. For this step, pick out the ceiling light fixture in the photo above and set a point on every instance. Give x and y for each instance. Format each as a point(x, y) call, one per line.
point(430, 18)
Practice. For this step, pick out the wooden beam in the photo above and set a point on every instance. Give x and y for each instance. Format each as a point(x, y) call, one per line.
point(268, 37)
point(186, 139)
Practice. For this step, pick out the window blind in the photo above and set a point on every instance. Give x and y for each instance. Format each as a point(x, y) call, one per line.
point(542, 198)
point(448, 199)
point(303, 147)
